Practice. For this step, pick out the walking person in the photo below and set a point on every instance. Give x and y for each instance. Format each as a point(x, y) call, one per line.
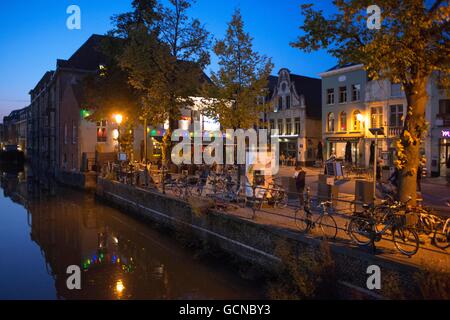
point(300, 182)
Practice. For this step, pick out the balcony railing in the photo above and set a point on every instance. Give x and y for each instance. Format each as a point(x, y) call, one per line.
point(394, 131)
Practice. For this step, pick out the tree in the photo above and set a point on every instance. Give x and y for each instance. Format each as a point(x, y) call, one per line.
point(241, 79)
point(411, 46)
point(164, 56)
point(107, 92)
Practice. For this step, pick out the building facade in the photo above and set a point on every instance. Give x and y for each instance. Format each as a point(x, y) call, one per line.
point(379, 104)
point(294, 108)
point(14, 128)
point(55, 118)
point(343, 109)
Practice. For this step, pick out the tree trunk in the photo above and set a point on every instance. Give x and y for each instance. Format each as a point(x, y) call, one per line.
point(167, 142)
point(413, 131)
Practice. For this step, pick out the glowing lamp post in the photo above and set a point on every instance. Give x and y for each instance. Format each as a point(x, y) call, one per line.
point(118, 118)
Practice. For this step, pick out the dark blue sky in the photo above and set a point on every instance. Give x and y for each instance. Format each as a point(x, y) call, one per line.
point(34, 34)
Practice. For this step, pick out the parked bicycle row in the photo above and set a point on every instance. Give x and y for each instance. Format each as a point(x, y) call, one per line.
point(390, 219)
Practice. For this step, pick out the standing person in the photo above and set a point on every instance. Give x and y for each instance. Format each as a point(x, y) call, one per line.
point(419, 178)
point(378, 177)
point(300, 181)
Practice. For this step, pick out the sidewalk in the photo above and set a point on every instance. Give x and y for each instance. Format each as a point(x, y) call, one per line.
point(435, 191)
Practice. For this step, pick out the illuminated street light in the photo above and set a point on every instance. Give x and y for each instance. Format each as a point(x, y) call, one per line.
point(118, 118)
point(360, 117)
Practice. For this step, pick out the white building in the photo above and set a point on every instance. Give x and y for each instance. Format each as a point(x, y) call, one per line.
point(294, 108)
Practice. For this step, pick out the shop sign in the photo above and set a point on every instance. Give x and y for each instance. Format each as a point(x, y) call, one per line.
point(445, 133)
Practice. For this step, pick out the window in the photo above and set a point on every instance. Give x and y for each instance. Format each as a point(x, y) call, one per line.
point(396, 115)
point(280, 126)
point(343, 121)
point(65, 133)
point(297, 126)
point(396, 90)
point(272, 125)
point(288, 102)
point(356, 92)
point(280, 103)
point(74, 133)
point(357, 120)
point(330, 96)
point(101, 131)
point(444, 107)
point(342, 94)
point(289, 126)
point(376, 117)
point(330, 124)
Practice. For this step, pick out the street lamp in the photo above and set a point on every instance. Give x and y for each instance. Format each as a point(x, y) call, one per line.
point(119, 118)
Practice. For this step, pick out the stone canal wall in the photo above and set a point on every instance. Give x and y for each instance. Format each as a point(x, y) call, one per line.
point(247, 240)
point(79, 180)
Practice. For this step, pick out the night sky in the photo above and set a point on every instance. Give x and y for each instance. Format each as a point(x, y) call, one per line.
point(34, 34)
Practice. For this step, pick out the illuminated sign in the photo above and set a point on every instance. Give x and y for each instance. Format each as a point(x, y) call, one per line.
point(445, 133)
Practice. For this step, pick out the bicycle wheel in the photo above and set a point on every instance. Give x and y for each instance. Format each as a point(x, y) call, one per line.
point(360, 231)
point(328, 226)
point(441, 237)
point(302, 220)
point(282, 201)
point(406, 240)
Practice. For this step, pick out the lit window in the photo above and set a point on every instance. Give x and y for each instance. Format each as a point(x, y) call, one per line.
point(101, 131)
point(376, 117)
point(330, 124)
point(343, 121)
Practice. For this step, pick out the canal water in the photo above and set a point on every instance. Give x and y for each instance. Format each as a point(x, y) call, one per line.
point(44, 232)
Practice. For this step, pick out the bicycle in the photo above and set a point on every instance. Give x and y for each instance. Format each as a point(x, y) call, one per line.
point(276, 195)
point(363, 230)
point(305, 222)
point(441, 238)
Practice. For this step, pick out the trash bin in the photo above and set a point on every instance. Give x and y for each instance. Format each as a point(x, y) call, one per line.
point(364, 191)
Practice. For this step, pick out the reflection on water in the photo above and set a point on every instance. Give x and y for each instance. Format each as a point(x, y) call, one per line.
point(121, 258)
